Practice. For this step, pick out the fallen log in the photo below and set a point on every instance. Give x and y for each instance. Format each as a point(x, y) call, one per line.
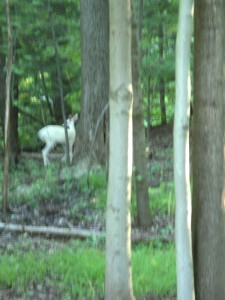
point(137, 236)
point(55, 231)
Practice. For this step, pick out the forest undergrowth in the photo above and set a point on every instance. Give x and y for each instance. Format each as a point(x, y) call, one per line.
point(40, 267)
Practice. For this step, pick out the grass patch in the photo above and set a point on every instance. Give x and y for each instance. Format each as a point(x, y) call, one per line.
point(154, 271)
point(79, 271)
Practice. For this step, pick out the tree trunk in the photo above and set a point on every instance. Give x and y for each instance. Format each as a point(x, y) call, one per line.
point(162, 101)
point(2, 82)
point(161, 80)
point(60, 84)
point(144, 217)
point(14, 141)
point(118, 284)
point(184, 261)
point(140, 20)
point(7, 112)
point(94, 78)
point(149, 110)
point(208, 151)
point(140, 26)
point(46, 95)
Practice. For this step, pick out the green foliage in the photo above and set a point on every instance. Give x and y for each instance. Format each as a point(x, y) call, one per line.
point(77, 270)
point(154, 63)
point(162, 199)
point(35, 58)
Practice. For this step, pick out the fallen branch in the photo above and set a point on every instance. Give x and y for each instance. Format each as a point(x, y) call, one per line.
point(137, 236)
point(56, 231)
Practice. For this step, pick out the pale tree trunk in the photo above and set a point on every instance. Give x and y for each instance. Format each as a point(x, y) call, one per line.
point(118, 282)
point(184, 261)
point(94, 80)
point(208, 151)
point(7, 112)
point(140, 161)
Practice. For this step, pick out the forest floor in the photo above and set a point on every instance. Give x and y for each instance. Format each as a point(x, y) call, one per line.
point(78, 209)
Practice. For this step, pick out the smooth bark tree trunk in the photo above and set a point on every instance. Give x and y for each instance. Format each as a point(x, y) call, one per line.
point(94, 79)
point(118, 282)
point(184, 260)
point(140, 161)
point(208, 150)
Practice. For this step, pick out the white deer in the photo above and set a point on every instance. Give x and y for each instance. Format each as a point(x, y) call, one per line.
point(53, 135)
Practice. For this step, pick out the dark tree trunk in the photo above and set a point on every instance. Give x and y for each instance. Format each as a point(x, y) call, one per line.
point(57, 109)
point(46, 96)
point(94, 77)
point(161, 81)
point(144, 217)
point(149, 110)
point(60, 82)
point(2, 82)
point(7, 112)
point(162, 101)
point(140, 20)
point(14, 141)
point(208, 151)
point(14, 138)
point(140, 26)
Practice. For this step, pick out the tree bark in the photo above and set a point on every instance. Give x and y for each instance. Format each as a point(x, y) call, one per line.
point(94, 79)
point(2, 82)
point(7, 112)
point(118, 283)
point(14, 142)
point(60, 84)
point(149, 109)
point(208, 150)
point(184, 260)
point(46, 95)
point(161, 80)
point(140, 20)
point(144, 217)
